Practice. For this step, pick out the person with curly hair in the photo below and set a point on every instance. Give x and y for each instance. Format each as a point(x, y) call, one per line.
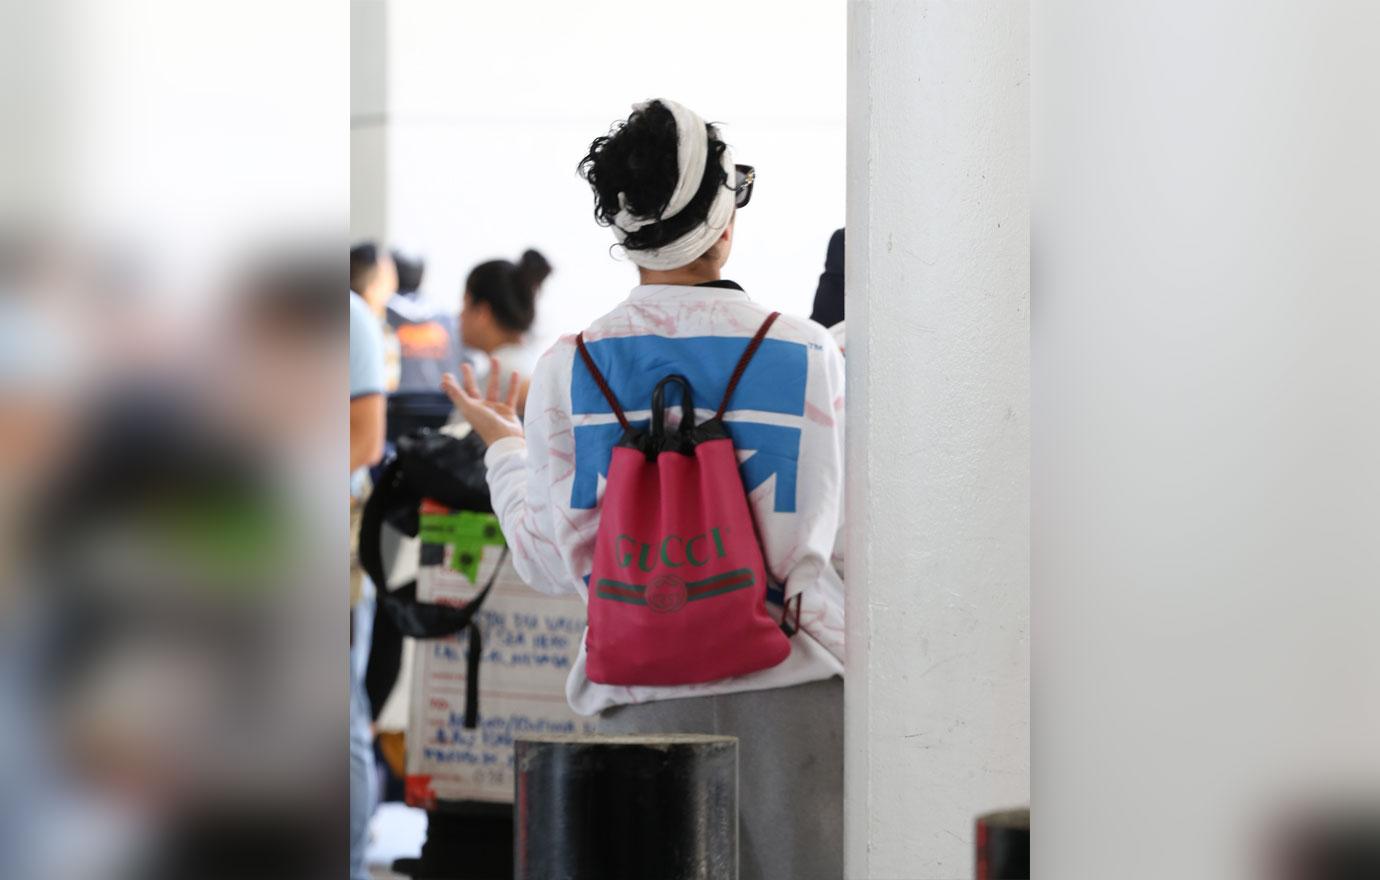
point(665, 183)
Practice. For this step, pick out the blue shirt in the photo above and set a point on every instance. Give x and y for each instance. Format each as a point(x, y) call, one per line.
point(428, 341)
point(366, 365)
point(366, 349)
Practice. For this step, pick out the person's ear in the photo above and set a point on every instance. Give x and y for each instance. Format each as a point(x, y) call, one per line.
point(725, 242)
point(481, 315)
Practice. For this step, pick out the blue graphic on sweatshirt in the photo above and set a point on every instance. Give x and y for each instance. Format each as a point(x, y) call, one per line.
point(632, 365)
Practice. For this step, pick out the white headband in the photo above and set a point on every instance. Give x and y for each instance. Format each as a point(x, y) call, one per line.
point(692, 152)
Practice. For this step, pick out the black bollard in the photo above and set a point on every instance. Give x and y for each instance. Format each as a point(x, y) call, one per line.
point(1003, 845)
point(654, 807)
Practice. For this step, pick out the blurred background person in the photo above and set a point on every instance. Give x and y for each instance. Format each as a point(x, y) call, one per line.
point(828, 310)
point(411, 269)
point(367, 415)
point(828, 307)
point(499, 312)
point(428, 340)
point(374, 277)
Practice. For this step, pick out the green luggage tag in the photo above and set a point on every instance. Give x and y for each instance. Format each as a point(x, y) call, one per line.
point(468, 532)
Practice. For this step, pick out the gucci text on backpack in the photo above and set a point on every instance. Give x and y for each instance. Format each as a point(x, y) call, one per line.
point(674, 551)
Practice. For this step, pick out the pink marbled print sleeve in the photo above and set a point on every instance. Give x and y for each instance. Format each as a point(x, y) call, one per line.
point(521, 480)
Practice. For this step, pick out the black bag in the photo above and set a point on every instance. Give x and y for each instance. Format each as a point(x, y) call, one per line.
point(410, 411)
point(450, 471)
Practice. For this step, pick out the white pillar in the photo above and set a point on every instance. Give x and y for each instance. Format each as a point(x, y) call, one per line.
point(369, 106)
point(1206, 371)
point(938, 431)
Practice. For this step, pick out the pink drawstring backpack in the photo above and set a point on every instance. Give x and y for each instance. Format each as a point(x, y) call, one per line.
point(678, 591)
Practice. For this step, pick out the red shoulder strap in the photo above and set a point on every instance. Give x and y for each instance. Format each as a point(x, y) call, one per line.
point(743, 362)
point(601, 382)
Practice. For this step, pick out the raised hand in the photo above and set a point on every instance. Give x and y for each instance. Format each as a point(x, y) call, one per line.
point(492, 416)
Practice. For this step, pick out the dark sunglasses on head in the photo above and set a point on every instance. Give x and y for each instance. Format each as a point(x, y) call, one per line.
point(742, 185)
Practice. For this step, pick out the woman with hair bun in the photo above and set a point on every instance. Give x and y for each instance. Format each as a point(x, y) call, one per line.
point(665, 183)
point(499, 309)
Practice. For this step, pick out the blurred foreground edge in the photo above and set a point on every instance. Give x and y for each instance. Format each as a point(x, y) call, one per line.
point(1003, 845)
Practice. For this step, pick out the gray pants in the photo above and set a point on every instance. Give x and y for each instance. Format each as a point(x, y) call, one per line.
point(790, 771)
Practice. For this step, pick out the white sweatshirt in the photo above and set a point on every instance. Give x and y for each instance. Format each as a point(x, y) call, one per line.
point(786, 421)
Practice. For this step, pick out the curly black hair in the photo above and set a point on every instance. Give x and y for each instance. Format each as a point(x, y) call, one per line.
point(638, 157)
